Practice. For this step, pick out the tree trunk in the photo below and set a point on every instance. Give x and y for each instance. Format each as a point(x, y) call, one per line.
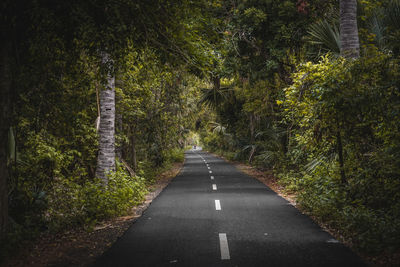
point(118, 117)
point(349, 48)
point(252, 128)
point(349, 43)
point(5, 109)
point(340, 154)
point(133, 146)
point(106, 156)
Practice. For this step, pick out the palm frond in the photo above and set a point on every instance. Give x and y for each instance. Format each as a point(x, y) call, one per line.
point(378, 28)
point(313, 164)
point(213, 97)
point(217, 128)
point(247, 147)
point(268, 156)
point(326, 35)
point(392, 14)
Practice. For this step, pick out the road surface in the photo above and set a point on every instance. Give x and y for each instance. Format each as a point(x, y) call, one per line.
point(211, 214)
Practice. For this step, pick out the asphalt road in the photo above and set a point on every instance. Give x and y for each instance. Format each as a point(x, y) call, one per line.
point(211, 214)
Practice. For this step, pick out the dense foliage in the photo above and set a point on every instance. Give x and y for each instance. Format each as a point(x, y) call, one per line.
point(57, 72)
point(259, 80)
point(327, 126)
point(354, 105)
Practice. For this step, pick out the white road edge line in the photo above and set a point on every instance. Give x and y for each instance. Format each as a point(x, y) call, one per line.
point(217, 205)
point(223, 244)
point(214, 186)
point(212, 177)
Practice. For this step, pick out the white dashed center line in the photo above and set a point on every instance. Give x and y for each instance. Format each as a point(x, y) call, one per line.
point(223, 244)
point(210, 171)
point(212, 177)
point(214, 186)
point(332, 241)
point(208, 167)
point(217, 205)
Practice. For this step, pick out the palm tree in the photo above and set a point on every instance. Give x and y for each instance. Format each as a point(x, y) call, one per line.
point(214, 96)
point(384, 24)
point(106, 156)
point(349, 48)
point(349, 42)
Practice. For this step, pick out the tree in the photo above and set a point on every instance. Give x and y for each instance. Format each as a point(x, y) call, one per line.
point(349, 48)
point(106, 156)
point(349, 42)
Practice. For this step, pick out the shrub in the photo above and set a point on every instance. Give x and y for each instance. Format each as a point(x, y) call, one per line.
point(73, 204)
point(356, 101)
point(175, 155)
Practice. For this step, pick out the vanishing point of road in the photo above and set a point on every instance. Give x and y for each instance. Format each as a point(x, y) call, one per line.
point(211, 214)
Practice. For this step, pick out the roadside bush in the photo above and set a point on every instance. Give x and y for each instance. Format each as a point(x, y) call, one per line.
point(73, 204)
point(370, 230)
point(347, 109)
point(175, 155)
point(147, 170)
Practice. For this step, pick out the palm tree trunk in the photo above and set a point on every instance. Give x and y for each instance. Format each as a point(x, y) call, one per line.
point(349, 48)
point(5, 107)
point(106, 156)
point(349, 42)
point(118, 116)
